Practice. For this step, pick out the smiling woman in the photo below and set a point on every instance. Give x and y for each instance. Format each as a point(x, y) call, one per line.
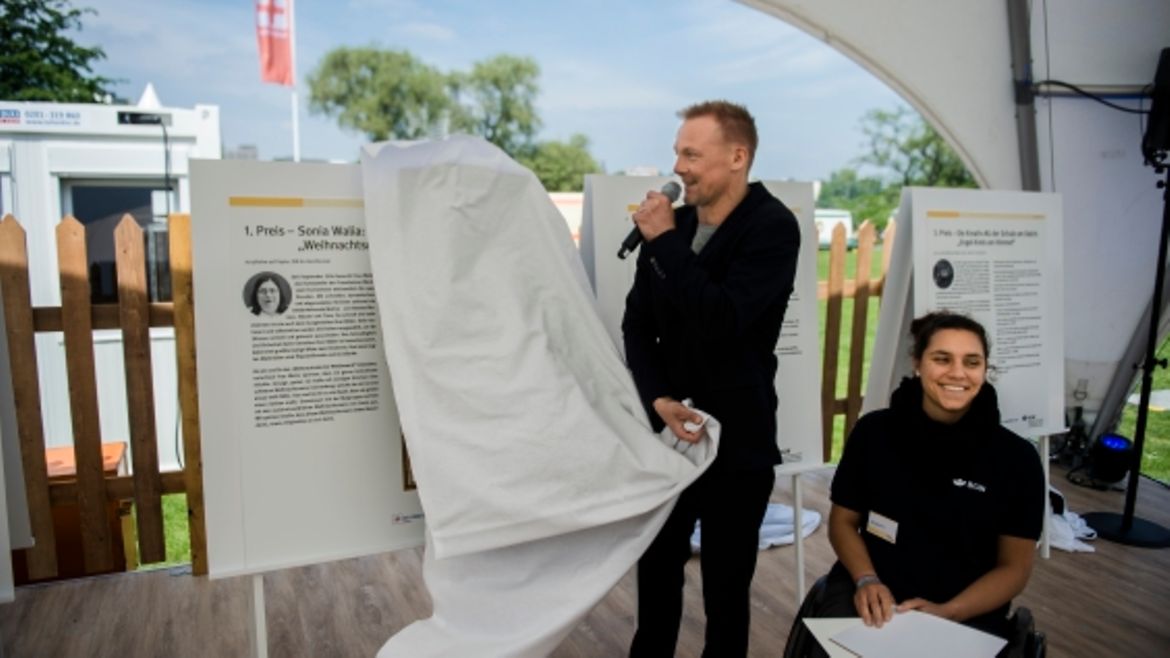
point(936, 506)
point(951, 362)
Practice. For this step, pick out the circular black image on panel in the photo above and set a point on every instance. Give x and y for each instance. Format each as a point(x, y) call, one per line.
point(267, 295)
point(944, 273)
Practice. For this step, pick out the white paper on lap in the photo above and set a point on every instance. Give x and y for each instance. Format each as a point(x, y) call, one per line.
point(539, 474)
point(824, 628)
point(915, 634)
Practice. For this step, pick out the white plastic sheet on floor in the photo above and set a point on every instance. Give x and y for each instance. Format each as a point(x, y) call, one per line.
point(1066, 528)
point(777, 529)
point(540, 477)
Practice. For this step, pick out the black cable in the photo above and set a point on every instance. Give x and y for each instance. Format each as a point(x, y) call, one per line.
point(1088, 481)
point(1147, 91)
point(1164, 484)
point(1086, 94)
point(1059, 441)
point(1051, 130)
point(1080, 482)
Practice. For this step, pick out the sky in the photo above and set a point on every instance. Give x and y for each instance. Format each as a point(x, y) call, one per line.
point(616, 71)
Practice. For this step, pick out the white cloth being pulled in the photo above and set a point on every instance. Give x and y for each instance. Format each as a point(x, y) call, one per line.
point(541, 479)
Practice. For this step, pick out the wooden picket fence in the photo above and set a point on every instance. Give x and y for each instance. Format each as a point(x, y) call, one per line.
point(77, 318)
point(861, 288)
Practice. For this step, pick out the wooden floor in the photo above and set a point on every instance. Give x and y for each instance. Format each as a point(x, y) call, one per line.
point(1115, 602)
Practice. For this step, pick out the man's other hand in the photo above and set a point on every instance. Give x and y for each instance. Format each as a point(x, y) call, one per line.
point(675, 414)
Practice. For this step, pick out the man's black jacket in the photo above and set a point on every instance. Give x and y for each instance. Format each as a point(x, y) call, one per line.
point(705, 326)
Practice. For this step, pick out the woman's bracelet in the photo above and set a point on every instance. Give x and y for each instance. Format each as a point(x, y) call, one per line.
point(867, 579)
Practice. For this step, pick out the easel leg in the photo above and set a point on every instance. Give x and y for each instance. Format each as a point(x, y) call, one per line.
point(1045, 545)
point(258, 631)
point(798, 524)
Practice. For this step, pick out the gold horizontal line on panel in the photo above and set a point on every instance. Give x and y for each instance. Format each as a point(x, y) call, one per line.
point(291, 202)
point(966, 214)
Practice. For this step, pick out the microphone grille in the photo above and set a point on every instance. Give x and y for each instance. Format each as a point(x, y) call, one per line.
point(672, 190)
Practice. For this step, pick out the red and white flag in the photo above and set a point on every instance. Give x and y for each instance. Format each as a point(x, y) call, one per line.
point(274, 34)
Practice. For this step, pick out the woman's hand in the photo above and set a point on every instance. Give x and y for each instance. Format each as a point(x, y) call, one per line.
point(874, 603)
point(992, 589)
point(929, 607)
point(873, 600)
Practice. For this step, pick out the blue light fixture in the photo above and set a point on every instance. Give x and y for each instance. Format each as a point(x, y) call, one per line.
point(1110, 458)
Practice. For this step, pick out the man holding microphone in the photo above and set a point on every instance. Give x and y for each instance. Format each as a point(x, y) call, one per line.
point(701, 322)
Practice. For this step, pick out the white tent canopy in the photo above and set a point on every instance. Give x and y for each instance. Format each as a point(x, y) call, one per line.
point(951, 60)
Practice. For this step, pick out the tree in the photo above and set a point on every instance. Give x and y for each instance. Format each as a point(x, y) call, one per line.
point(904, 150)
point(867, 198)
point(561, 166)
point(38, 62)
point(389, 94)
point(497, 101)
point(381, 93)
point(902, 143)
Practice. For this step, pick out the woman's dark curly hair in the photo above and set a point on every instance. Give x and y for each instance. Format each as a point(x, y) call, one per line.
point(924, 328)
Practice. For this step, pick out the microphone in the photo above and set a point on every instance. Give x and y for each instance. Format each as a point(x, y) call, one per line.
point(671, 190)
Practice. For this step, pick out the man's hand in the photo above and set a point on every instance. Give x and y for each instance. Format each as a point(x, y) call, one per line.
point(674, 414)
point(655, 216)
point(874, 603)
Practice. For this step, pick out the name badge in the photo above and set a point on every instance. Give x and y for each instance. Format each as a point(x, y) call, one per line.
point(882, 527)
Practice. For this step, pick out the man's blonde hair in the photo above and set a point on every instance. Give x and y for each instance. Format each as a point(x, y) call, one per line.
point(734, 120)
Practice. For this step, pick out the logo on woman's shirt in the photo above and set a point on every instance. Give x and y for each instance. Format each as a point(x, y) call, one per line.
point(967, 484)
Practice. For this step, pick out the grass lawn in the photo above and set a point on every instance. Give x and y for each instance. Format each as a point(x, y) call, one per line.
point(178, 540)
point(1156, 452)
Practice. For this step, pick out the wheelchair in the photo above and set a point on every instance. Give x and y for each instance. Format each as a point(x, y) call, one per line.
point(1026, 641)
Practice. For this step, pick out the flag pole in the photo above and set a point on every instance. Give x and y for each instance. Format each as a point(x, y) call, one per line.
point(292, 48)
point(296, 128)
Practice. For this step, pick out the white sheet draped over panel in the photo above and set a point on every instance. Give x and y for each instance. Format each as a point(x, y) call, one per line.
point(538, 472)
